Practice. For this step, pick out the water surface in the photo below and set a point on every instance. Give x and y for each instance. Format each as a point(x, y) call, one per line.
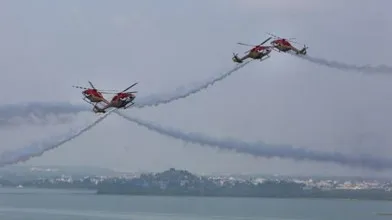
point(42, 204)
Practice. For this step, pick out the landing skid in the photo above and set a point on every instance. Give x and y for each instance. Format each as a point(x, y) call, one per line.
point(127, 106)
point(265, 57)
point(86, 100)
point(98, 110)
point(95, 109)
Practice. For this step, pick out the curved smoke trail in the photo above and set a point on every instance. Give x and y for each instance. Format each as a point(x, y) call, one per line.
point(38, 109)
point(184, 92)
point(343, 66)
point(41, 109)
point(261, 149)
point(38, 148)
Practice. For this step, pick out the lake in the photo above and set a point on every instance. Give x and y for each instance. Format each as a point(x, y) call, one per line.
point(45, 204)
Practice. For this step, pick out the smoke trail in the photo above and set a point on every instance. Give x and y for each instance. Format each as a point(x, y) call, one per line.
point(261, 149)
point(41, 109)
point(183, 92)
point(38, 113)
point(38, 148)
point(342, 66)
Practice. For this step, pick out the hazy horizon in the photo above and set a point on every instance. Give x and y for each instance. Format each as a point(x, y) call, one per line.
point(96, 169)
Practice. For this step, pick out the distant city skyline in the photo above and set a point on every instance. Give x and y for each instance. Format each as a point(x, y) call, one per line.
point(183, 182)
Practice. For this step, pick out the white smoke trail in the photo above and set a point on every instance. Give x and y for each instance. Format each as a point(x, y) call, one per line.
point(343, 66)
point(38, 148)
point(9, 114)
point(261, 149)
point(184, 92)
point(41, 109)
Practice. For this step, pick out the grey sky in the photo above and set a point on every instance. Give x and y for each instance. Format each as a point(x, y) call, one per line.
point(48, 46)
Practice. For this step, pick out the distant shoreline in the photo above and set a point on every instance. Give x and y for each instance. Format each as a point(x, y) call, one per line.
point(97, 193)
point(181, 183)
point(250, 197)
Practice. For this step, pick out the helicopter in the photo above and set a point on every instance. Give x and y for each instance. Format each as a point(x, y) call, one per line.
point(92, 95)
point(284, 45)
point(122, 99)
point(258, 52)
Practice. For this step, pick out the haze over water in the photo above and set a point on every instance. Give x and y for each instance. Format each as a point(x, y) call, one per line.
point(36, 204)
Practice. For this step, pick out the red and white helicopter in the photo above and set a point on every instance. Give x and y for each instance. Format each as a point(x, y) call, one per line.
point(284, 45)
point(92, 95)
point(120, 100)
point(258, 52)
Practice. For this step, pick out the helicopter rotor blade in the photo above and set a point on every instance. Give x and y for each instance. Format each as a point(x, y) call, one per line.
point(92, 86)
point(260, 44)
point(255, 45)
point(130, 87)
point(108, 90)
point(288, 39)
point(295, 42)
point(105, 91)
point(265, 41)
point(273, 35)
point(79, 87)
point(245, 44)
